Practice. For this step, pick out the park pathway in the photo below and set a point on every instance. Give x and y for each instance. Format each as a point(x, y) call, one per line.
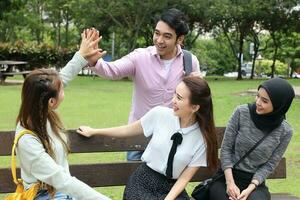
point(296, 89)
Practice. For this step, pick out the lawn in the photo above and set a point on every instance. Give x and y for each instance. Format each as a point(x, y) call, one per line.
point(103, 103)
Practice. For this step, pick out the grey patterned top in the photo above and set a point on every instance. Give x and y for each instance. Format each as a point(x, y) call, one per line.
point(241, 135)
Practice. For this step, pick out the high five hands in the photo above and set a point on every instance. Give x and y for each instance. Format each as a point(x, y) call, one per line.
point(89, 46)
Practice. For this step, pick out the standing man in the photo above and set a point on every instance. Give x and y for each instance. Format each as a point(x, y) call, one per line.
point(156, 70)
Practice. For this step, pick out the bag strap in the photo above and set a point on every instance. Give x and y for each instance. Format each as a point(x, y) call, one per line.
point(248, 152)
point(13, 158)
point(187, 62)
point(244, 156)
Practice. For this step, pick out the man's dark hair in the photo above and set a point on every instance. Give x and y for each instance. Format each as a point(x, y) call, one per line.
point(176, 20)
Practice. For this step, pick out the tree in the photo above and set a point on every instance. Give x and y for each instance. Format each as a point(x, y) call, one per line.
point(276, 20)
point(235, 19)
point(60, 15)
point(10, 23)
point(289, 51)
point(34, 19)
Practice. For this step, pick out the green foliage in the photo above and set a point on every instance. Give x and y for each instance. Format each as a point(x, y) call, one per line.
point(264, 66)
point(214, 56)
point(37, 56)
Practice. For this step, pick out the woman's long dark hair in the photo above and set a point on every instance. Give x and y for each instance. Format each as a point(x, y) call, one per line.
point(201, 95)
point(39, 86)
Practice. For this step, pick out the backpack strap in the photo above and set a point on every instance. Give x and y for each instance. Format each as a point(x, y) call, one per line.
point(13, 158)
point(187, 62)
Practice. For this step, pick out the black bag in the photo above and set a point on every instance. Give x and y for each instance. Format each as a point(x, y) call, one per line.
point(201, 191)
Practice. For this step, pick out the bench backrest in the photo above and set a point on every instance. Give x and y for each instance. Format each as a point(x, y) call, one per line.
point(104, 174)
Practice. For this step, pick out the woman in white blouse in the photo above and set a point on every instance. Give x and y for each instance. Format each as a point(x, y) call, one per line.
point(183, 140)
point(43, 156)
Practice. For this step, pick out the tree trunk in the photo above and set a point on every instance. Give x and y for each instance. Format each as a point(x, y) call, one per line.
point(241, 46)
point(67, 30)
point(58, 35)
point(255, 48)
point(274, 55)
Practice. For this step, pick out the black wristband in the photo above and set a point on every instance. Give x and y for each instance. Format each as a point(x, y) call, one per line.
point(255, 184)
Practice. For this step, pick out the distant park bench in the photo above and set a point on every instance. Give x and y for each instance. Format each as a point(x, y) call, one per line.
point(11, 68)
point(111, 174)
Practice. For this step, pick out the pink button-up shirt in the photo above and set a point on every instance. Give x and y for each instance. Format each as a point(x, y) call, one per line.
point(152, 85)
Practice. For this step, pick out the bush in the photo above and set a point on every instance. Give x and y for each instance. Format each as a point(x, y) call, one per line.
point(264, 67)
point(38, 56)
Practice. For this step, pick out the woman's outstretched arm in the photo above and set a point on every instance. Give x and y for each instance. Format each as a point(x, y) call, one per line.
point(129, 130)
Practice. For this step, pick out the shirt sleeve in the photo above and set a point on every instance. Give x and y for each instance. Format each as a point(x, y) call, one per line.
point(149, 121)
point(72, 68)
point(199, 158)
point(37, 162)
point(195, 63)
point(266, 169)
point(230, 135)
point(120, 68)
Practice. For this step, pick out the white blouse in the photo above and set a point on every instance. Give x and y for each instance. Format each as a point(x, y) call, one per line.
point(161, 124)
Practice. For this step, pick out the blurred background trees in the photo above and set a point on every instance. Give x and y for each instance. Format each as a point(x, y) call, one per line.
point(224, 33)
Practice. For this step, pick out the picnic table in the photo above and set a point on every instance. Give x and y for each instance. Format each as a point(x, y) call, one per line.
point(11, 68)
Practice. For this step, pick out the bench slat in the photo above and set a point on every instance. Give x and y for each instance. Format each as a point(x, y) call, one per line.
point(114, 174)
point(81, 144)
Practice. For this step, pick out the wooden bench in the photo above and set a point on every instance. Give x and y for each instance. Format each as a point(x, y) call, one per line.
point(111, 174)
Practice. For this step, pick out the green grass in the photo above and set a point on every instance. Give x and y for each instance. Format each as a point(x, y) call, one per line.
point(103, 103)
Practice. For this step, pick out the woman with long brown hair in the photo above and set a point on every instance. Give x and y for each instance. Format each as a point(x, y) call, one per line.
point(183, 140)
point(43, 154)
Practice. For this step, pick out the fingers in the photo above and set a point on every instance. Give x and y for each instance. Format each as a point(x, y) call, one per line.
point(83, 35)
point(244, 195)
point(94, 43)
point(92, 37)
point(84, 130)
point(79, 131)
point(232, 197)
point(103, 53)
point(99, 52)
point(233, 192)
point(93, 34)
point(90, 33)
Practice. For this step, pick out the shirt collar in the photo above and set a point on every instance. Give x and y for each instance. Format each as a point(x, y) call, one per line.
point(186, 130)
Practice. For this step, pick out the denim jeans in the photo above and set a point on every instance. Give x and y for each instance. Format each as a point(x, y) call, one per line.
point(44, 195)
point(134, 155)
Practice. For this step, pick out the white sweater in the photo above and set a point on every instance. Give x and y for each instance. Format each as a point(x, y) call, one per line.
point(36, 164)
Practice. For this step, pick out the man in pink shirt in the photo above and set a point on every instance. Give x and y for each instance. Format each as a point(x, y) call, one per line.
point(156, 70)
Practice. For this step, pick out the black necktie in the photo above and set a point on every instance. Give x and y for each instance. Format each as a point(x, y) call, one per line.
point(177, 139)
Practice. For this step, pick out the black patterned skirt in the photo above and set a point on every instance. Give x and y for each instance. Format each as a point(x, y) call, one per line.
point(147, 184)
